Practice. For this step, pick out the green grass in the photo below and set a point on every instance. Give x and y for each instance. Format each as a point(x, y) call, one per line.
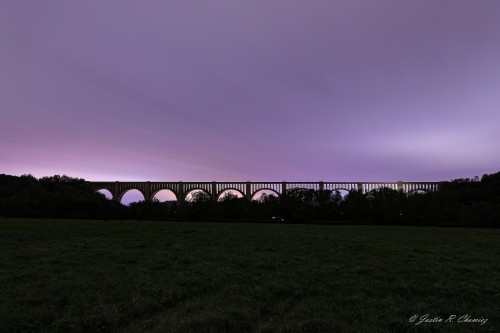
point(70, 275)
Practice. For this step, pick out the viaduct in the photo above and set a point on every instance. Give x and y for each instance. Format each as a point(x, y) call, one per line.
point(249, 189)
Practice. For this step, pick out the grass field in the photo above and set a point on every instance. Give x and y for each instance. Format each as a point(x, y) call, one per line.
point(99, 276)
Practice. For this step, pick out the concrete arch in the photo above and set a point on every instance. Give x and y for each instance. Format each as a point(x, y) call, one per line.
point(298, 189)
point(185, 195)
point(105, 189)
point(342, 189)
point(122, 193)
point(163, 189)
point(379, 187)
point(218, 197)
point(416, 190)
point(264, 189)
point(343, 192)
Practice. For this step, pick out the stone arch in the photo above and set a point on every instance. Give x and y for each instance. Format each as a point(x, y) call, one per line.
point(342, 189)
point(418, 191)
point(186, 194)
point(124, 192)
point(344, 192)
point(165, 189)
point(379, 187)
point(108, 195)
point(264, 189)
point(219, 195)
point(298, 189)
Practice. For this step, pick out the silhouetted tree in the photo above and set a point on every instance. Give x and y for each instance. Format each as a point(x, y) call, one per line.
point(461, 202)
point(386, 205)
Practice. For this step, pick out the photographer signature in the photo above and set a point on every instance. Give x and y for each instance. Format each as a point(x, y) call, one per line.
point(466, 318)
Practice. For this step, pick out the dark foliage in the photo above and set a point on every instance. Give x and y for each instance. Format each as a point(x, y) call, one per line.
point(54, 197)
point(462, 202)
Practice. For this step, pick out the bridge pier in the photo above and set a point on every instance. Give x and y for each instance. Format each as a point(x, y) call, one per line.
point(214, 193)
point(248, 191)
point(180, 193)
point(147, 192)
point(400, 186)
point(115, 191)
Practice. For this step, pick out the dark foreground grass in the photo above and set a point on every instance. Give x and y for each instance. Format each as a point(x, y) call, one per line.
point(103, 276)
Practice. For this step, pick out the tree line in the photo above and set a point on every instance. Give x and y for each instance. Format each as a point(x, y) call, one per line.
point(461, 202)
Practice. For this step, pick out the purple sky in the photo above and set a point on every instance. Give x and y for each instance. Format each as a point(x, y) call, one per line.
point(250, 90)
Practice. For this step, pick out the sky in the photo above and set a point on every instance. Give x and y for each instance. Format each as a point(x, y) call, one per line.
point(258, 90)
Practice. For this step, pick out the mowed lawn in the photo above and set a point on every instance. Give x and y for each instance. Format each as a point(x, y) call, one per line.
point(133, 276)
